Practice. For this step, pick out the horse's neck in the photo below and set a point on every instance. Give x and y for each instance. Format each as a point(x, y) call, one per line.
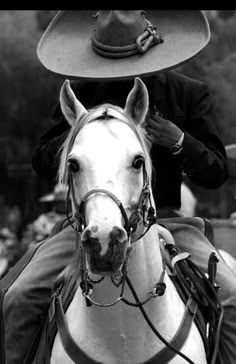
point(121, 326)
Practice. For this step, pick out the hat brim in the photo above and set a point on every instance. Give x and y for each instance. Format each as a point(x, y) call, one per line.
point(65, 47)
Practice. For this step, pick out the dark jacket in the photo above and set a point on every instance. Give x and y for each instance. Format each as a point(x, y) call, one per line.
point(181, 99)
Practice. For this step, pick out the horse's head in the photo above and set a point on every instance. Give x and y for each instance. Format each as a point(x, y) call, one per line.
point(105, 159)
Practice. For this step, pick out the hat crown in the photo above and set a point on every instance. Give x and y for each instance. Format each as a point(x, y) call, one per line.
point(119, 28)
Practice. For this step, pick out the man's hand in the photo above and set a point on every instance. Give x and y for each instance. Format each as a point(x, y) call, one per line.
point(162, 131)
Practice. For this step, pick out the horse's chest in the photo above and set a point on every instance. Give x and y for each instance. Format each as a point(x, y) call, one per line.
point(109, 344)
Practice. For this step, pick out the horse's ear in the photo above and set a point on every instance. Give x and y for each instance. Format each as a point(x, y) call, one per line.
point(71, 108)
point(137, 102)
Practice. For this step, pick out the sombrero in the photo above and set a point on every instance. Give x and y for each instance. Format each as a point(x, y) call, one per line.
point(119, 44)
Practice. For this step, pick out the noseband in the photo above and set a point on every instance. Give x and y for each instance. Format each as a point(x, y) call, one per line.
point(147, 214)
point(142, 212)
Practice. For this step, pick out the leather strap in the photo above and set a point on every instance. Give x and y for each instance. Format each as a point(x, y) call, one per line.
point(70, 346)
point(164, 356)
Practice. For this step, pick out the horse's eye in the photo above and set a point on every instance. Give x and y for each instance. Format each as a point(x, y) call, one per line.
point(138, 162)
point(73, 165)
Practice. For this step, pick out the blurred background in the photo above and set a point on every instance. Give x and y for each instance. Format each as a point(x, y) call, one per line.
point(28, 94)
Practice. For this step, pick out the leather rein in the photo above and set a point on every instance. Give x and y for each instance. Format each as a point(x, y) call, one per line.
point(145, 215)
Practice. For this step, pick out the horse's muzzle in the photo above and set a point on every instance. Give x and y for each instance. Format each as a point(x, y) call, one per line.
point(103, 261)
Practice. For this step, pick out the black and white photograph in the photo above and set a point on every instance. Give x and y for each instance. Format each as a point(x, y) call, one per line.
point(118, 186)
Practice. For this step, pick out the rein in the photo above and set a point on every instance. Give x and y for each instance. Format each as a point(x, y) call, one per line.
point(142, 212)
point(164, 356)
point(86, 284)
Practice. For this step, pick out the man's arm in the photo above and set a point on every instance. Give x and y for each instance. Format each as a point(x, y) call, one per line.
point(202, 156)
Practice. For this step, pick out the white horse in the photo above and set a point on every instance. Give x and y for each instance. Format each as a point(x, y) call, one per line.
point(106, 160)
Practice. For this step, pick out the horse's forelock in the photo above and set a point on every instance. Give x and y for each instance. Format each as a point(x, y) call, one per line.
point(102, 112)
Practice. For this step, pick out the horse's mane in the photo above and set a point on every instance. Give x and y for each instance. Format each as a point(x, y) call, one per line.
point(103, 112)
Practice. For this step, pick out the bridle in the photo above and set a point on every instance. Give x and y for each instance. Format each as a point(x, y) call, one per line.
point(144, 213)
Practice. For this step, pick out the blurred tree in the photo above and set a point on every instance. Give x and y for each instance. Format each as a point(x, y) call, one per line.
point(28, 94)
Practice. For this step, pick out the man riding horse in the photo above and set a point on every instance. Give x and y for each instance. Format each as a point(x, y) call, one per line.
point(104, 51)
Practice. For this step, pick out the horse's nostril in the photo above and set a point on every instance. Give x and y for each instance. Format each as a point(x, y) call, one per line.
point(94, 228)
point(86, 235)
point(118, 233)
point(90, 240)
point(88, 232)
